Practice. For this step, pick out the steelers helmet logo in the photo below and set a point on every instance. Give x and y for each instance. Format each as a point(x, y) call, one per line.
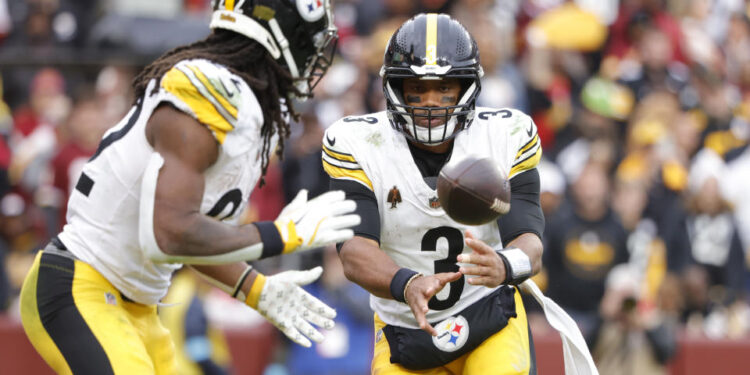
point(311, 10)
point(452, 334)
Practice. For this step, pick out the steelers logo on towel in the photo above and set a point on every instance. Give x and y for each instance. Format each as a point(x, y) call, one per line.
point(311, 10)
point(452, 334)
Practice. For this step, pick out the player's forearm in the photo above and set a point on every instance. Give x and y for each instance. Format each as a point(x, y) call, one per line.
point(228, 277)
point(368, 266)
point(198, 235)
point(532, 245)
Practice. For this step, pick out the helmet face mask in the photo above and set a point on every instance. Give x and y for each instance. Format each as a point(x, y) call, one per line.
point(413, 52)
point(300, 34)
point(317, 64)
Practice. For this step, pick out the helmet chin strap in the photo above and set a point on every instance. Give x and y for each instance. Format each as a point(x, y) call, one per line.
point(284, 46)
point(301, 84)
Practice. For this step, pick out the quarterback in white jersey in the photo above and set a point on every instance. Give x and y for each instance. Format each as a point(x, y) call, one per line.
point(430, 312)
point(415, 232)
point(166, 186)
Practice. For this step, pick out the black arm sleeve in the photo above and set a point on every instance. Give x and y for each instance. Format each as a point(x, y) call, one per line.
point(367, 208)
point(525, 214)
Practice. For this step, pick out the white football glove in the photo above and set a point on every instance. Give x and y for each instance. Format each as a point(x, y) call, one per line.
point(323, 220)
point(290, 308)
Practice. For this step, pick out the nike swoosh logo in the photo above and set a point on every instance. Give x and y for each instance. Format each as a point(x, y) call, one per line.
point(229, 93)
point(330, 141)
point(296, 222)
point(530, 130)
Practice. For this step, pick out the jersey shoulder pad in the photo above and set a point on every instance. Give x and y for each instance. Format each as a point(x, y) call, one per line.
point(207, 91)
point(339, 156)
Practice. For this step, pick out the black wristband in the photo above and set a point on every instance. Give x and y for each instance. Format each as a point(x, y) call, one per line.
point(398, 283)
point(272, 243)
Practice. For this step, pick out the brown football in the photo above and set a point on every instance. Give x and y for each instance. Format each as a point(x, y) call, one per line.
point(472, 191)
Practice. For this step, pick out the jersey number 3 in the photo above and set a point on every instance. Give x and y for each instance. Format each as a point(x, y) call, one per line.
point(455, 246)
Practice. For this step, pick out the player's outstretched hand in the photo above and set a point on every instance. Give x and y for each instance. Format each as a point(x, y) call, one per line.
point(291, 309)
point(323, 220)
point(484, 266)
point(419, 292)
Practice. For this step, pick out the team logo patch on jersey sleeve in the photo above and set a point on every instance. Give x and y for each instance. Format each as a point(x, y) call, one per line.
point(452, 334)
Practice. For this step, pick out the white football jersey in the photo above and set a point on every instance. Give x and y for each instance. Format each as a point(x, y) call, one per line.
point(103, 210)
point(415, 231)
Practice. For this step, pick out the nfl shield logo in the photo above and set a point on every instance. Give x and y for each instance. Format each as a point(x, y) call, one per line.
point(110, 299)
point(434, 202)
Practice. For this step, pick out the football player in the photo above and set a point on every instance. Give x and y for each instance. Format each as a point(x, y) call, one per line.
point(432, 315)
point(167, 185)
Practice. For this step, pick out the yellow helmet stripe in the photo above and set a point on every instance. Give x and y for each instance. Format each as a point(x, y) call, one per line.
point(229, 5)
point(430, 54)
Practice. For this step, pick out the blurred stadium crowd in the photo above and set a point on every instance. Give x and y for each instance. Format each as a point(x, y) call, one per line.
point(643, 108)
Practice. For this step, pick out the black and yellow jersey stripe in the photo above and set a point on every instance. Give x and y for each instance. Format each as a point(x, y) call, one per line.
point(201, 88)
point(528, 156)
point(342, 165)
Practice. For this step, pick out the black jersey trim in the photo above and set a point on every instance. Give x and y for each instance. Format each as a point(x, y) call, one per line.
point(115, 136)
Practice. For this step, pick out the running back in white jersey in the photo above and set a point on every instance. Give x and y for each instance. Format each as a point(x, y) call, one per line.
point(415, 231)
point(103, 210)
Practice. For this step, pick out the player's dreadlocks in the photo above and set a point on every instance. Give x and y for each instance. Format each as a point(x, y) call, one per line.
point(249, 60)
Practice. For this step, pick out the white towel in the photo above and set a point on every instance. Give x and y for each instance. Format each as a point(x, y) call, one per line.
point(578, 360)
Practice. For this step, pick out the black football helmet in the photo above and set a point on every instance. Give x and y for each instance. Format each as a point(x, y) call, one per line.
point(300, 34)
point(431, 46)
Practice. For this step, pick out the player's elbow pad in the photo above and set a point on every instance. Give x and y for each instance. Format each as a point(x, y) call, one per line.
point(147, 238)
